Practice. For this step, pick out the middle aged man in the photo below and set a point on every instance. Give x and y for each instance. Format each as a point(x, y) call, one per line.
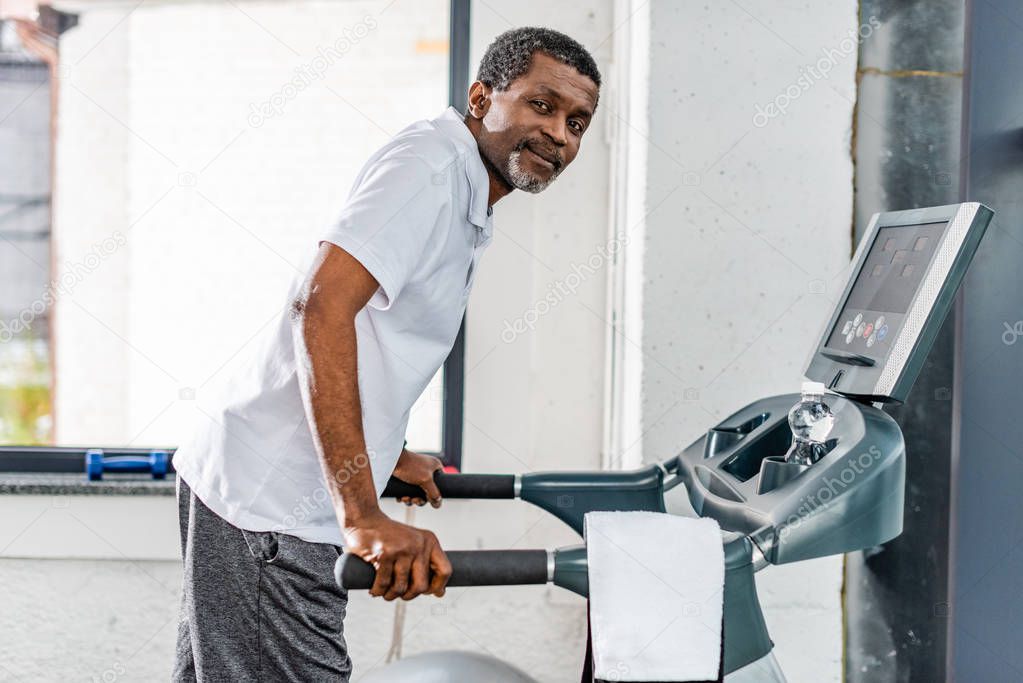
point(298, 442)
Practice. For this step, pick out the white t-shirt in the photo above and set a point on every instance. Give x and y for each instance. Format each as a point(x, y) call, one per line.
point(418, 219)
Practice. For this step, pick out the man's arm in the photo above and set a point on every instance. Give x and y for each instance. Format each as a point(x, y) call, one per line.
point(323, 327)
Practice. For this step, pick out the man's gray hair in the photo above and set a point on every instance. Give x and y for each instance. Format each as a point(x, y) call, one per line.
point(508, 57)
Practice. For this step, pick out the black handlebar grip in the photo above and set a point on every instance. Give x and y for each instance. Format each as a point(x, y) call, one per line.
point(493, 486)
point(468, 568)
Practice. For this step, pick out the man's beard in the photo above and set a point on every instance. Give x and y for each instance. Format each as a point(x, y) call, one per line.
point(522, 179)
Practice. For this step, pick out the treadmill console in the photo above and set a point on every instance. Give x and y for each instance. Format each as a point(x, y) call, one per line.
point(904, 277)
point(906, 271)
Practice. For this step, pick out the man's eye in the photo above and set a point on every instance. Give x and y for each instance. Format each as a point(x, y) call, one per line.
point(541, 105)
point(576, 126)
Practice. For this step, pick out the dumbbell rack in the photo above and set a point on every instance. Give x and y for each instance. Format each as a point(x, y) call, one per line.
point(90, 461)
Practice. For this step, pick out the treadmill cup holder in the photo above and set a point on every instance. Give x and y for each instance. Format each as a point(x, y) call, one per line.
point(775, 472)
point(723, 438)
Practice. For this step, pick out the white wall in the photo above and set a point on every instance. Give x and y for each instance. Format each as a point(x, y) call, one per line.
point(535, 400)
point(742, 240)
point(748, 229)
point(91, 586)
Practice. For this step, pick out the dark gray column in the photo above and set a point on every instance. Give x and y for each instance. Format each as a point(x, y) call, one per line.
point(906, 146)
point(986, 617)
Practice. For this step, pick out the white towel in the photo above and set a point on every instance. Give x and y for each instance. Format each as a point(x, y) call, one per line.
point(656, 595)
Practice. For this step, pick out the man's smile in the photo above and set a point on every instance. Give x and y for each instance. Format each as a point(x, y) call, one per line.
point(549, 160)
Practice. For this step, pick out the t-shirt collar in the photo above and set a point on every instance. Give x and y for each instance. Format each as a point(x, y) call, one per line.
point(452, 124)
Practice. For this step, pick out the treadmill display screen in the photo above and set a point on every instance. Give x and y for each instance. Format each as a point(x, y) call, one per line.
point(884, 289)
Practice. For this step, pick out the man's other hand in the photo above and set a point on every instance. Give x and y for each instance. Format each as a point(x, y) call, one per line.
point(408, 561)
point(418, 470)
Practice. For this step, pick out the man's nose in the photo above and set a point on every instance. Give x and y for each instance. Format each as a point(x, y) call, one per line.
point(557, 131)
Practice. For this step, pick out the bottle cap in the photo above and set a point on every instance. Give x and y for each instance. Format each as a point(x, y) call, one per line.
point(815, 388)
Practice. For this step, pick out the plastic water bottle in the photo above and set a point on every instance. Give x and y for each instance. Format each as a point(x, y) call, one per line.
point(811, 421)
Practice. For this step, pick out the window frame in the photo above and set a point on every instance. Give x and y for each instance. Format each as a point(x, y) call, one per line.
point(454, 367)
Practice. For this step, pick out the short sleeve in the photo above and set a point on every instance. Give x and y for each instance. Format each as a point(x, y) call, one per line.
point(388, 220)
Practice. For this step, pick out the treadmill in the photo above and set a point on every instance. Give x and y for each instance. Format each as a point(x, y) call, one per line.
point(771, 510)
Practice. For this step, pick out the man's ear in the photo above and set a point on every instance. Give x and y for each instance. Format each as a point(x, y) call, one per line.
point(479, 100)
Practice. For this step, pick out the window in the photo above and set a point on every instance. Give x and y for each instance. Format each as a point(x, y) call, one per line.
point(182, 239)
point(25, 294)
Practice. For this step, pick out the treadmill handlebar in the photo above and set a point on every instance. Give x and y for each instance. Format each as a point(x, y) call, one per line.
point(492, 486)
point(468, 568)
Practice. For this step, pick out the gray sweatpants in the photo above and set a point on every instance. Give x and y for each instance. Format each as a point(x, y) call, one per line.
point(256, 606)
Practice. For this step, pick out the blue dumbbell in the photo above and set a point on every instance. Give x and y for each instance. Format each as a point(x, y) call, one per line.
point(154, 462)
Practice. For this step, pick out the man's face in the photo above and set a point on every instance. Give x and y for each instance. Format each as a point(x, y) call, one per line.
point(532, 130)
